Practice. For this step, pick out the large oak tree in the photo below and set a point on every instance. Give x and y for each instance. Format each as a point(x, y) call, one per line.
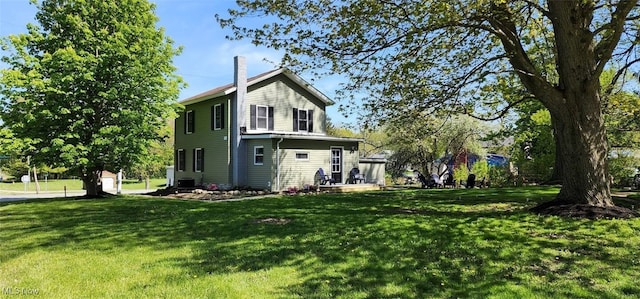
point(445, 55)
point(90, 84)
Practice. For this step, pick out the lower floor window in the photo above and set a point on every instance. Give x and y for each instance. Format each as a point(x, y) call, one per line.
point(180, 160)
point(302, 156)
point(198, 160)
point(258, 155)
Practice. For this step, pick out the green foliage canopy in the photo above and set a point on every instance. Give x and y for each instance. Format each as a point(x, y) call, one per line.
point(420, 142)
point(411, 57)
point(91, 84)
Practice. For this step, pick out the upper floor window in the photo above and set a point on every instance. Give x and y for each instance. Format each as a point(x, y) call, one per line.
point(189, 122)
point(181, 159)
point(198, 160)
point(217, 117)
point(261, 117)
point(302, 120)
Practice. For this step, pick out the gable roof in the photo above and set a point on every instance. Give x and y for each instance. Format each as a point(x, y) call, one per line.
point(230, 88)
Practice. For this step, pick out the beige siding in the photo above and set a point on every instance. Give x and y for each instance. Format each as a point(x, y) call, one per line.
point(214, 142)
point(284, 95)
point(297, 173)
point(261, 176)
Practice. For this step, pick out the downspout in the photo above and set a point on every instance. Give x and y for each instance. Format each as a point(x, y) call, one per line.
point(278, 164)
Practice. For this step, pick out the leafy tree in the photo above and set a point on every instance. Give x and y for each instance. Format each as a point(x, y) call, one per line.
point(53, 172)
point(409, 148)
point(533, 129)
point(409, 56)
point(14, 167)
point(448, 138)
point(13, 148)
point(159, 154)
point(11, 145)
point(90, 84)
point(373, 140)
point(621, 109)
point(533, 150)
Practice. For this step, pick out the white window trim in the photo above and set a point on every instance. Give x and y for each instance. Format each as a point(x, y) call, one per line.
point(217, 107)
point(266, 118)
point(186, 122)
point(181, 167)
point(342, 162)
point(195, 159)
point(302, 159)
point(306, 120)
point(255, 155)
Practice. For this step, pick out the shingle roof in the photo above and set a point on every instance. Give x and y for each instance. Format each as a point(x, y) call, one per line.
point(230, 88)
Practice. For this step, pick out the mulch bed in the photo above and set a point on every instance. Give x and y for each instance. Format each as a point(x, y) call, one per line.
point(201, 194)
point(584, 211)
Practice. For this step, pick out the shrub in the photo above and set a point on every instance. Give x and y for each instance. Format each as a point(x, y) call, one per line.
point(460, 173)
point(500, 176)
point(622, 170)
point(480, 169)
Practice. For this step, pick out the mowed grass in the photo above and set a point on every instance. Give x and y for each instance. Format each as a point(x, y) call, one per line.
point(73, 185)
point(388, 244)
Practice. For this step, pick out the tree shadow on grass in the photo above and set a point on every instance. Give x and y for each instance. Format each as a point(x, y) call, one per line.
point(346, 245)
point(376, 245)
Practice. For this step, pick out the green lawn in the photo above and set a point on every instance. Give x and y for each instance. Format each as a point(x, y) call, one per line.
point(393, 244)
point(74, 185)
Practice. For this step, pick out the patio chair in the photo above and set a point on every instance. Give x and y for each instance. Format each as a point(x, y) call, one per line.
point(448, 181)
point(436, 181)
point(471, 181)
point(421, 178)
point(355, 176)
point(324, 178)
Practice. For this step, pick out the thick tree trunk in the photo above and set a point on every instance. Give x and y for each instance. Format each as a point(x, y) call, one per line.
point(582, 153)
point(575, 107)
point(91, 180)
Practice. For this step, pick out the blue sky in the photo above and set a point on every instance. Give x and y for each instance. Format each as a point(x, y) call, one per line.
point(207, 58)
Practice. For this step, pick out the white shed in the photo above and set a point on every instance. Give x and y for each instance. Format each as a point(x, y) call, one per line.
point(170, 176)
point(373, 170)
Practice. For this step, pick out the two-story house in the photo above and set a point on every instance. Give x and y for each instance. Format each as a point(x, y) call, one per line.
point(267, 131)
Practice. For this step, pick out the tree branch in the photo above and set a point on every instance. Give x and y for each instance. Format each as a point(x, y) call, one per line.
point(604, 49)
point(502, 21)
point(501, 113)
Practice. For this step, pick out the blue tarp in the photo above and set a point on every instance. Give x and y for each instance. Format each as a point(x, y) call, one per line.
point(492, 160)
point(497, 160)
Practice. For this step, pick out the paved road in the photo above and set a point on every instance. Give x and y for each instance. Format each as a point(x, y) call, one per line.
point(6, 196)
